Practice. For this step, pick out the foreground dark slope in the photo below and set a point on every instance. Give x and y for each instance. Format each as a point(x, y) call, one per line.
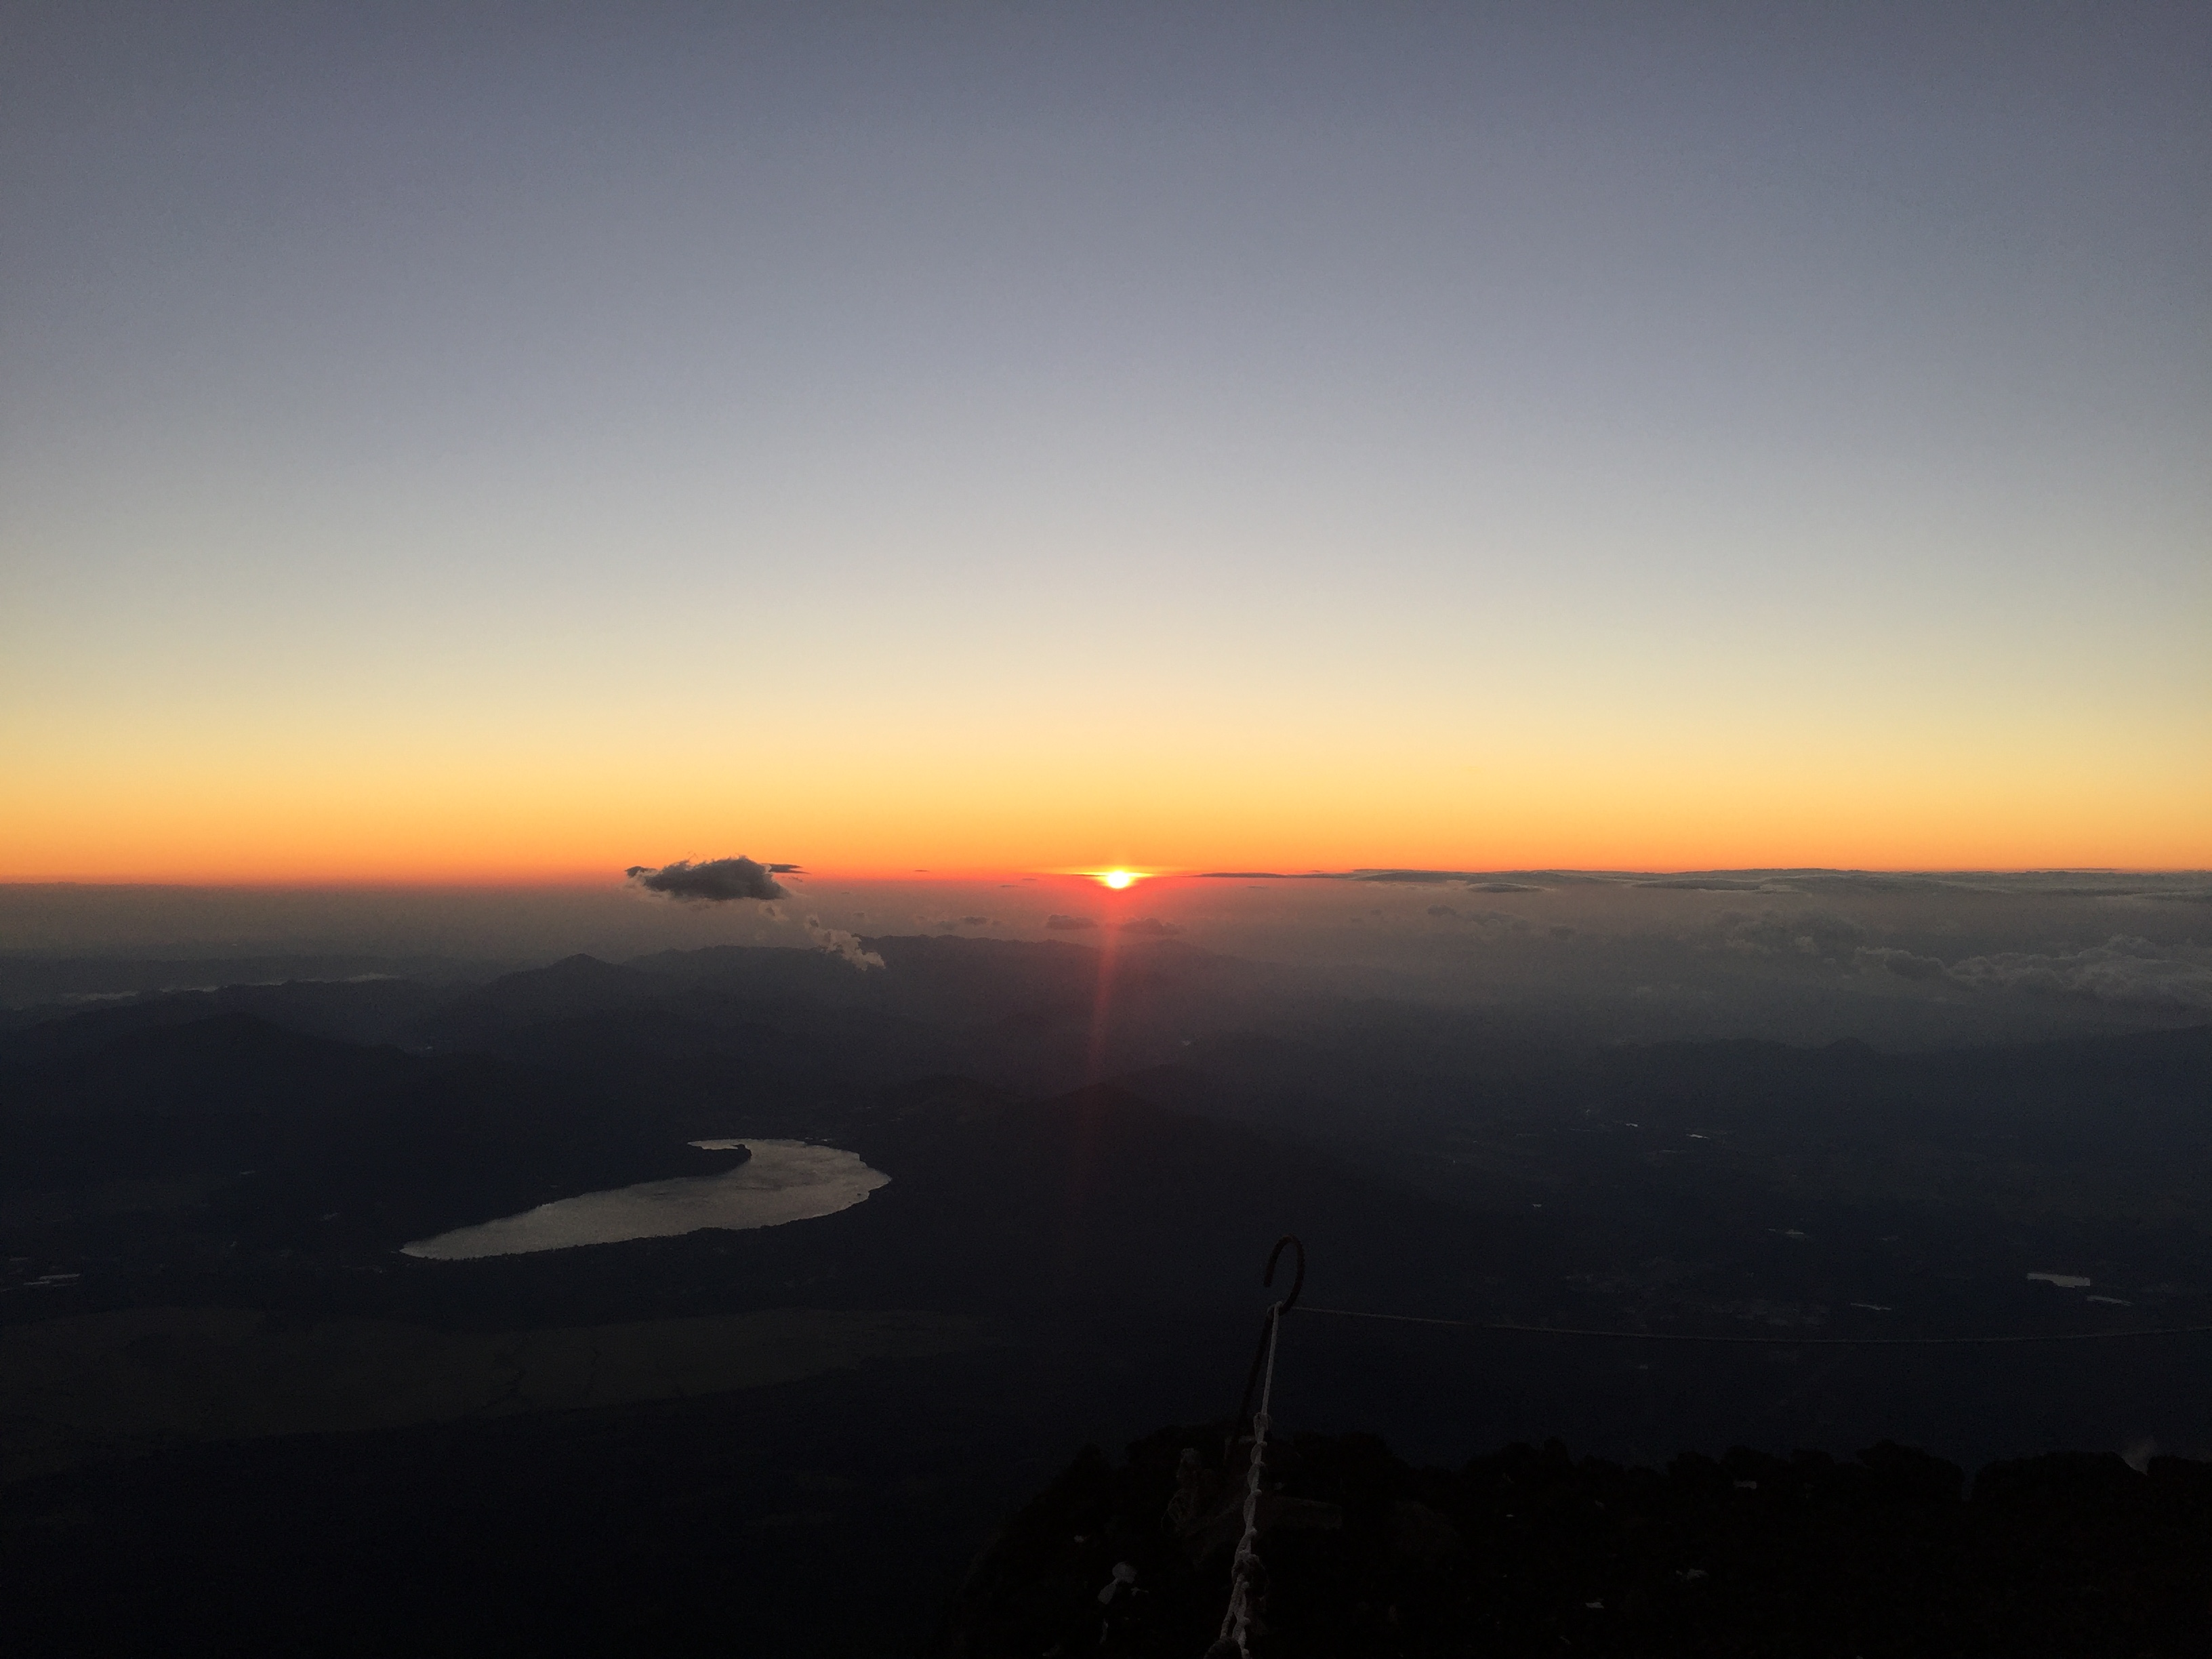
point(1105, 1243)
point(1055, 1260)
point(1530, 1551)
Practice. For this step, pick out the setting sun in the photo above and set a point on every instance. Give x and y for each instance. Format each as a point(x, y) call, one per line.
point(1117, 879)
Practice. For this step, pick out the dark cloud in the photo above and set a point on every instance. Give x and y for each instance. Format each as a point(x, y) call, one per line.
point(1068, 924)
point(715, 881)
point(718, 881)
point(1150, 927)
point(1442, 910)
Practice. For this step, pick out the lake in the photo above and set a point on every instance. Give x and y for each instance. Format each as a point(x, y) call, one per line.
point(783, 1180)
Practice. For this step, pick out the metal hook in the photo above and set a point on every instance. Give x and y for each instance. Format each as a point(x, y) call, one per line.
point(1297, 1283)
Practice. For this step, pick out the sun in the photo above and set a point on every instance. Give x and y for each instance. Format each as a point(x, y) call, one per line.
point(1117, 879)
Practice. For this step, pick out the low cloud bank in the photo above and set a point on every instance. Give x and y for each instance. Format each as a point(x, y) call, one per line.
point(2185, 887)
point(1480, 881)
point(2130, 971)
point(1903, 964)
point(1491, 925)
point(1775, 933)
point(2125, 970)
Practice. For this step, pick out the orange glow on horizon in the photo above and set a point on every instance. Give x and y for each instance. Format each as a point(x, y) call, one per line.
point(1047, 475)
point(294, 817)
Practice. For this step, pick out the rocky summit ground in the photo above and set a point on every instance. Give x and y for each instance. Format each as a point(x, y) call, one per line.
point(1529, 1551)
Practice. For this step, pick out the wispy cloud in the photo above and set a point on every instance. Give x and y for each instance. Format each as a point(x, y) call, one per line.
point(839, 942)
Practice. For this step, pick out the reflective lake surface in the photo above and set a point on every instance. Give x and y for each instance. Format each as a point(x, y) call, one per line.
point(782, 1181)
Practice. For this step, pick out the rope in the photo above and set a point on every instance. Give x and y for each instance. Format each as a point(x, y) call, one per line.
point(1237, 1621)
point(1770, 1341)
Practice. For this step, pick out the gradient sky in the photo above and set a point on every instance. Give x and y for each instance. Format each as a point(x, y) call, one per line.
point(505, 441)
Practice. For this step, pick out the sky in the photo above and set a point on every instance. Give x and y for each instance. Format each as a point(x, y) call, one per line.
point(511, 443)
